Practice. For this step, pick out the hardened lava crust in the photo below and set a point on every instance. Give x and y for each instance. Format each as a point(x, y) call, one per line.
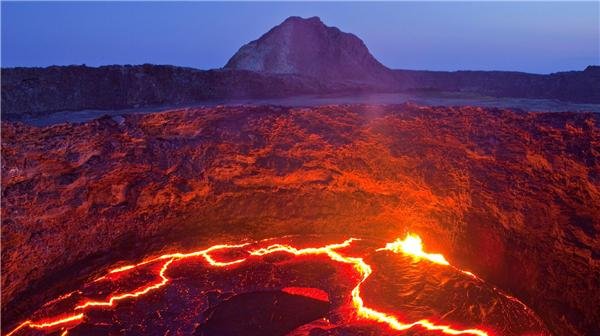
point(513, 197)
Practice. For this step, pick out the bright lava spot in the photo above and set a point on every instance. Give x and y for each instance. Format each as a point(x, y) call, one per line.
point(411, 245)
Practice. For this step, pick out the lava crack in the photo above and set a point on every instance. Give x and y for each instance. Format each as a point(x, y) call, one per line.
point(411, 245)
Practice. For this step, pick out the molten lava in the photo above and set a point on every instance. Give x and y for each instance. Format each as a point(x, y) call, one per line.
point(411, 246)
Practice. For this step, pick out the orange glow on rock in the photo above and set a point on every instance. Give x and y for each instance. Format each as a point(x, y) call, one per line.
point(313, 293)
point(411, 245)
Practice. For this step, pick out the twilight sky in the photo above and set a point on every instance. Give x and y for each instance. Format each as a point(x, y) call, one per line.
point(538, 37)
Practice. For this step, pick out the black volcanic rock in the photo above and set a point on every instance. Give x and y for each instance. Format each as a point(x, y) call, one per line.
point(574, 86)
point(265, 313)
point(310, 48)
point(41, 91)
point(33, 91)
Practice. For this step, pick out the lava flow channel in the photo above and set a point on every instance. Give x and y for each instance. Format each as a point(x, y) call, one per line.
point(411, 245)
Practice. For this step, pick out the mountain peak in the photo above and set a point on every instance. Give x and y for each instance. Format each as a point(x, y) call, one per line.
point(308, 47)
point(298, 19)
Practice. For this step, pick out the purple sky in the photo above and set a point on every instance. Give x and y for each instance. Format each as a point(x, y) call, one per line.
point(538, 37)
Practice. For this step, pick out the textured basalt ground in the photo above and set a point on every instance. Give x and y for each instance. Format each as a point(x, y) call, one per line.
point(512, 196)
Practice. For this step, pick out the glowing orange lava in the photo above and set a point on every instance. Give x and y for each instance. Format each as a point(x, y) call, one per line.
point(134, 294)
point(47, 325)
point(411, 245)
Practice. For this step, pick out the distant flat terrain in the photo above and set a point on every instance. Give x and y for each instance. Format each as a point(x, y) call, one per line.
point(426, 99)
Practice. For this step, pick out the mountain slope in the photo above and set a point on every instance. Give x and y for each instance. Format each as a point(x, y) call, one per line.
point(309, 47)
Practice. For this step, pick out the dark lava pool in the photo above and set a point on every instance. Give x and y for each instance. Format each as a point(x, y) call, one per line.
point(288, 286)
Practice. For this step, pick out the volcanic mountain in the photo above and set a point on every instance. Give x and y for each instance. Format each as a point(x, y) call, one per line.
point(299, 57)
point(310, 48)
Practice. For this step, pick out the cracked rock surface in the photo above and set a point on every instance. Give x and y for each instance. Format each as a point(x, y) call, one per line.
point(512, 196)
